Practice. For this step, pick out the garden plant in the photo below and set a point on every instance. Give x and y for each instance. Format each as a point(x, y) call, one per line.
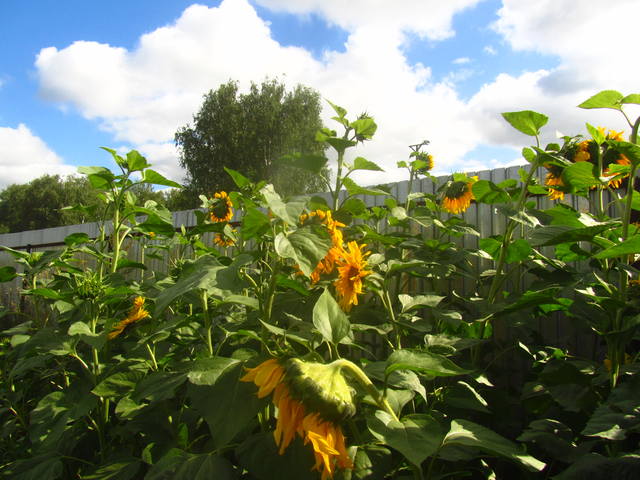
point(321, 337)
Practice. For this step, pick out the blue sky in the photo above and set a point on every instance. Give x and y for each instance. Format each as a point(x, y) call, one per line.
point(76, 75)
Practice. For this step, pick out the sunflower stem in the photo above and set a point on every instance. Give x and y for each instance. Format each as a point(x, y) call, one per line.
point(364, 380)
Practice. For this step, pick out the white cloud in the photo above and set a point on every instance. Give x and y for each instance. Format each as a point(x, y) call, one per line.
point(461, 60)
point(427, 18)
point(143, 95)
point(489, 50)
point(24, 156)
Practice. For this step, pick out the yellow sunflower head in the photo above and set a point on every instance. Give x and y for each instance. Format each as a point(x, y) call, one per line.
point(554, 179)
point(136, 314)
point(583, 151)
point(351, 270)
point(327, 264)
point(613, 135)
point(221, 209)
point(223, 240)
point(311, 398)
point(458, 195)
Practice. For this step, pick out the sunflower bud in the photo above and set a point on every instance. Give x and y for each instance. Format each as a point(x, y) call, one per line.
point(321, 388)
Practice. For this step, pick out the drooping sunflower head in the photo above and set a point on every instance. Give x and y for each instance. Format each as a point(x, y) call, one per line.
point(351, 270)
point(458, 195)
point(324, 217)
point(311, 398)
point(554, 180)
point(613, 135)
point(612, 158)
point(221, 209)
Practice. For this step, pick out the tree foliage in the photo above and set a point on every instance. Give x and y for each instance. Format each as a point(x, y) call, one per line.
point(40, 203)
point(249, 133)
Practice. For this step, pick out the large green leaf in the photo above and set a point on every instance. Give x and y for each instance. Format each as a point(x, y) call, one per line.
point(329, 318)
point(555, 234)
point(354, 189)
point(180, 465)
point(136, 162)
point(580, 176)
point(526, 121)
point(416, 436)
point(360, 163)
point(47, 466)
point(469, 434)
point(289, 211)
point(485, 191)
point(310, 161)
point(619, 415)
point(629, 247)
point(604, 99)
point(119, 384)
point(239, 179)
point(419, 301)
point(427, 363)
point(158, 386)
point(208, 274)
point(207, 371)
point(228, 406)
point(629, 150)
point(7, 273)
point(124, 469)
point(254, 223)
point(259, 455)
point(306, 246)
point(155, 178)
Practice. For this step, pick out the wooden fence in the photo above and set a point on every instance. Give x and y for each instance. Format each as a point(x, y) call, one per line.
point(484, 217)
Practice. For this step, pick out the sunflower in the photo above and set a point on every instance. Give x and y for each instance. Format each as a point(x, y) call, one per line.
point(311, 399)
point(327, 264)
point(351, 270)
point(617, 181)
point(457, 197)
point(554, 179)
point(136, 314)
point(582, 152)
point(221, 209)
point(223, 240)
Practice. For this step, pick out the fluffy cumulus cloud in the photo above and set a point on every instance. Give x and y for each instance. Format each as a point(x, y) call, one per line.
point(591, 43)
point(24, 156)
point(143, 95)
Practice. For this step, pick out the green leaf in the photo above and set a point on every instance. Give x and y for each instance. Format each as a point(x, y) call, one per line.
point(158, 386)
point(228, 406)
point(76, 239)
point(208, 274)
point(631, 98)
point(526, 121)
point(207, 371)
point(488, 192)
point(416, 436)
point(309, 161)
point(596, 134)
point(339, 110)
point(289, 212)
point(136, 162)
point(419, 301)
point(254, 223)
point(82, 329)
point(361, 163)
point(518, 250)
point(329, 319)
point(603, 99)
point(180, 465)
point(469, 434)
point(7, 274)
point(555, 234)
point(119, 384)
point(240, 180)
point(528, 154)
point(364, 127)
point(629, 150)
point(580, 176)
point(125, 469)
point(629, 247)
point(46, 466)
point(306, 246)
point(427, 363)
point(154, 178)
point(259, 455)
point(354, 189)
